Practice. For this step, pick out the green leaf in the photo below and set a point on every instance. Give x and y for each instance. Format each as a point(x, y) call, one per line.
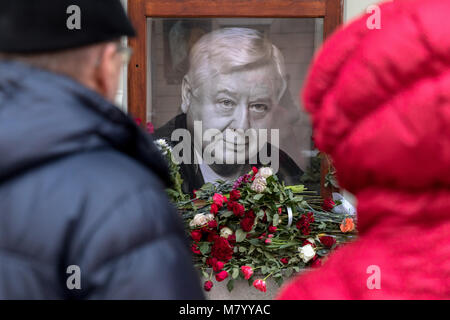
point(279, 281)
point(276, 219)
point(226, 214)
point(242, 249)
point(258, 196)
point(204, 248)
point(264, 270)
point(235, 273)
point(230, 285)
point(240, 235)
point(289, 272)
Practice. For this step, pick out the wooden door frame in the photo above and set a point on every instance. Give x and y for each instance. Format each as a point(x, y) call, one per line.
point(139, 10)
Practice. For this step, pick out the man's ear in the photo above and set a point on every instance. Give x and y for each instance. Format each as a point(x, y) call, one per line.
point(186, 94)
point(108, 71)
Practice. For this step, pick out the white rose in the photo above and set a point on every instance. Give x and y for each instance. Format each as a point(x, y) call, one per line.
point(259, 184)
point(265, 172)
point(201, 219)
point(226, 232)
point(307, 253)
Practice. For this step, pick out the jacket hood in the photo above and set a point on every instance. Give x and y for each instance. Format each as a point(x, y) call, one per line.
point(45, 116)
point(380, 102)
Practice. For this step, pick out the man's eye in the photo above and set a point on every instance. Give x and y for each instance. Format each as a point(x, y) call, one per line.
point(259, 107)
point(227, 103)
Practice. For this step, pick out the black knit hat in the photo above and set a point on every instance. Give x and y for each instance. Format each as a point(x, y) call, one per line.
point(33, 26)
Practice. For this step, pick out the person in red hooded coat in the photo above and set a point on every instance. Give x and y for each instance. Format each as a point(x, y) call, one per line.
point(380, 104)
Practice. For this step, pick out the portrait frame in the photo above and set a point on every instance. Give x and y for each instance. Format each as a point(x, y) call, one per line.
point(140, 10)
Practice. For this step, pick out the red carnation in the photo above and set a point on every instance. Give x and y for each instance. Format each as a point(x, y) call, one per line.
point(222, 275)
point(247, 272)
point(260, 285)
point(214, 209)
point(328, 204)
point(250, 214)
point(221, 249)
point(238, 209)
point(208, 285)
point(303, 223)
point(247, 224)
point(196, 235)
point(279, 210)
point(235, 195)
point(327, 241)
point(284, 260)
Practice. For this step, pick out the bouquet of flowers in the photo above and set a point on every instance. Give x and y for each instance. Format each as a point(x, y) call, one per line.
point(259, 226)
point(256, 227)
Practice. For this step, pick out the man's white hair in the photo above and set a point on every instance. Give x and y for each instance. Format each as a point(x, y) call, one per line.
point(233, 49)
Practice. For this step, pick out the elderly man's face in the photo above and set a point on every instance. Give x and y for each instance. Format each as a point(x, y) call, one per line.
point(240, 100)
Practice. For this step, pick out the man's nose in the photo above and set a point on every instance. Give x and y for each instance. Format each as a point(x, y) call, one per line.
point(241, 118)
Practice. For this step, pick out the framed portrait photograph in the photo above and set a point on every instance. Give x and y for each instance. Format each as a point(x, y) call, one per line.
point(221, 84)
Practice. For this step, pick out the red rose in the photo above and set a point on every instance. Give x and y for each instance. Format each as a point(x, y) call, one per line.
point(211, 261)
point(279, 210)
point(284, 260)
point(232, 239)
point(212, 236)
point(208, 285)
point(260, 285)
point(306, 242)
point(218, 266)
point(195, 249)
point(214, 209)
point(272, 229)
point(268, 241)
point(247, 272)
point(255, 170)
point(327, 241)
point(212, 224)
point(195, 194)
point(247, 224)
point(219, 199)
point(222, 275)
point(328, 204)
point(196, 235)
point(222, 250)
point(235, 195)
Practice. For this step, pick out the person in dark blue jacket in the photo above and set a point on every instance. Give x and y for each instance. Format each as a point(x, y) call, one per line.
point(83, 211)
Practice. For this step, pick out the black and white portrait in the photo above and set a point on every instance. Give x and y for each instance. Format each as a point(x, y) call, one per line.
point(232, 89)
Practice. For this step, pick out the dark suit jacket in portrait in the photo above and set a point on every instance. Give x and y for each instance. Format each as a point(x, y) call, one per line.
point(191, 174)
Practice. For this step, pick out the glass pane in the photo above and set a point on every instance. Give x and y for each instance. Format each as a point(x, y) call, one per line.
point(241, 76)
